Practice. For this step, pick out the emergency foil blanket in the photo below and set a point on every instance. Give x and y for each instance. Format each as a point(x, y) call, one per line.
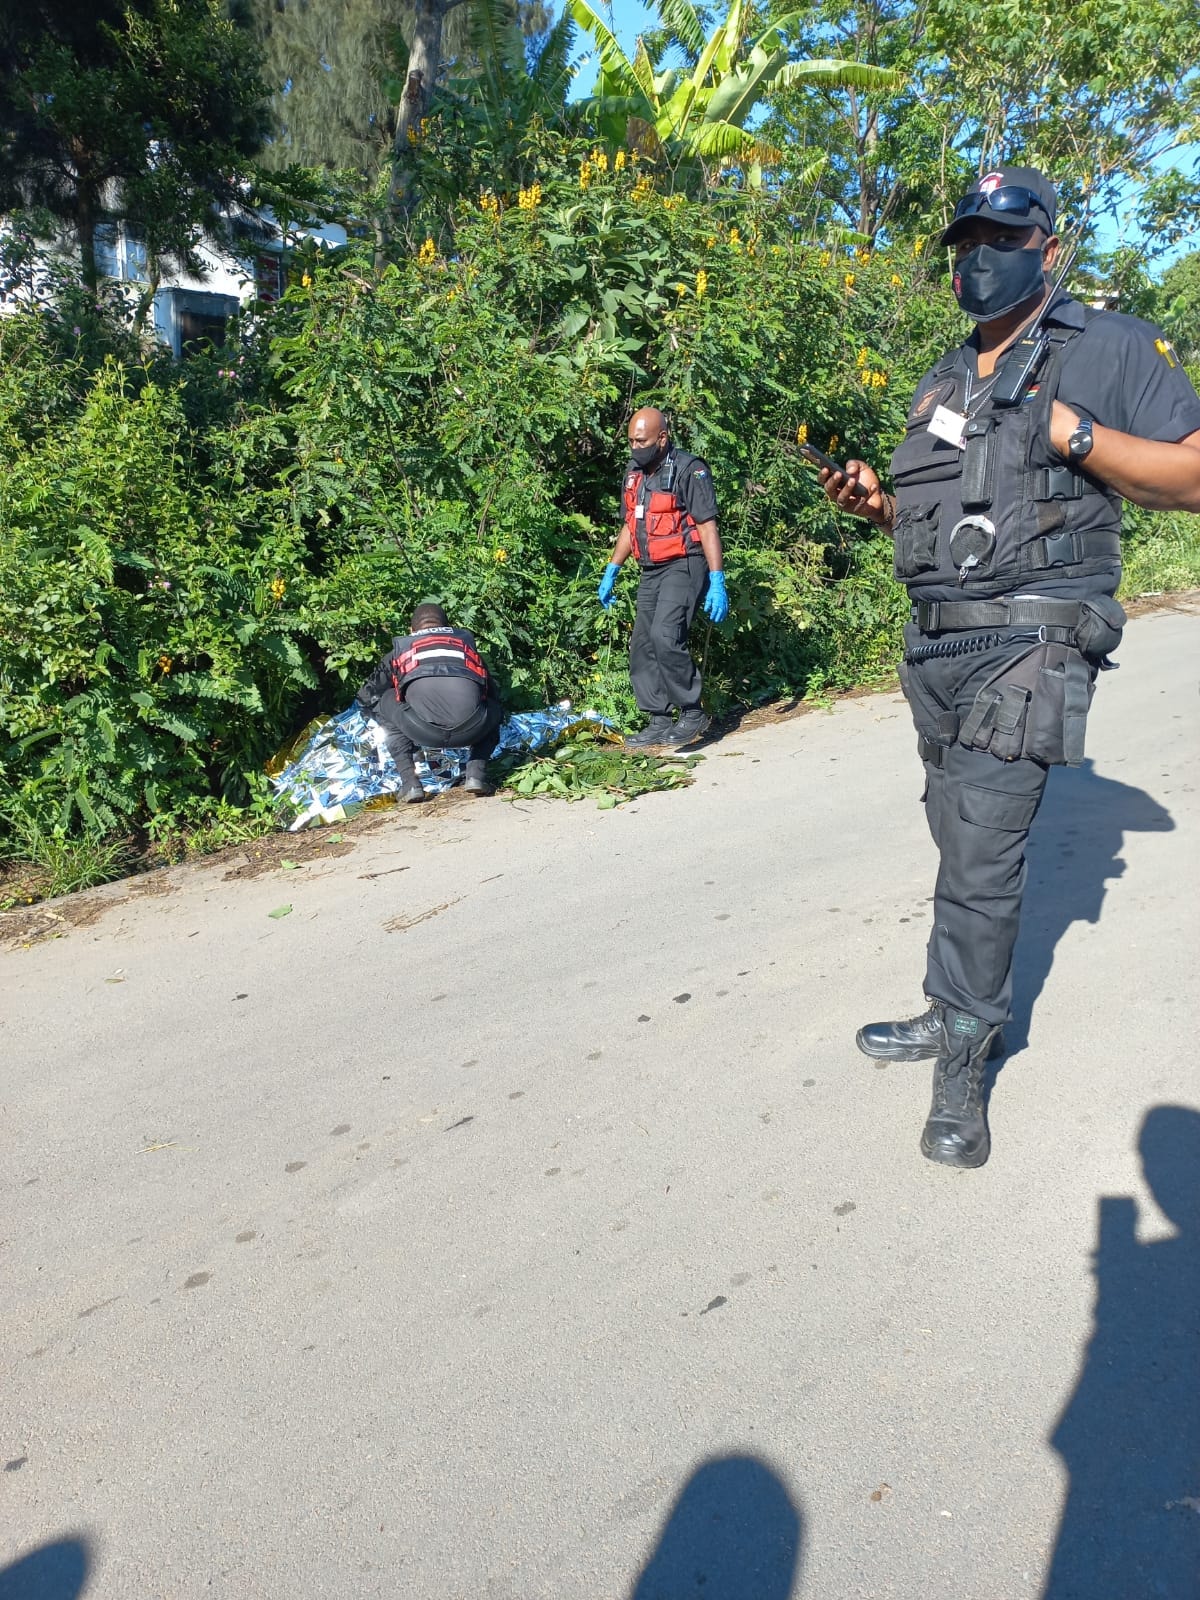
point(345, 764)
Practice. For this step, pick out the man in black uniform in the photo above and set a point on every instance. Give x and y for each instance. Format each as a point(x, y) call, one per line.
point(670, 527)
point(1006, 521)
point(432, 691)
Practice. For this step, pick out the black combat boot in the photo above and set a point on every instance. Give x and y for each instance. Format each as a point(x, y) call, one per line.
point(915, 1039)
point(692, 725)
point(655, 731)
point(956, 1133)
point(475, 782)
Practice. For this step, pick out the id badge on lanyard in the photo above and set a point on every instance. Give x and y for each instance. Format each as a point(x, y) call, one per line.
point(950, 426)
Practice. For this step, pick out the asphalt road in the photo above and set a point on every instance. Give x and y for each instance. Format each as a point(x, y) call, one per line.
point(524, 1223)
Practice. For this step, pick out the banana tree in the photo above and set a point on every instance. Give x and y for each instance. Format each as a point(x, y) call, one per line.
point(699, 117)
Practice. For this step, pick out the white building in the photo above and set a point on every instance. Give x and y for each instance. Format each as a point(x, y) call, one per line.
point(191, 310)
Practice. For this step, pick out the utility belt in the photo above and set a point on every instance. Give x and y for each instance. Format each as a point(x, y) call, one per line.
point(1016, 611)
point(1035, 701)
point(1093, 626)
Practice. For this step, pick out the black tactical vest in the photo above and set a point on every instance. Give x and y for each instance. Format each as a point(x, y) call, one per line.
point(993, 518)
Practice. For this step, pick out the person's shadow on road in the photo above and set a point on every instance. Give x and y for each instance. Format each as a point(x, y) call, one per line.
point(1073, 852)
point(1130, 1435)
point(56, 1571)
point(734, 1533)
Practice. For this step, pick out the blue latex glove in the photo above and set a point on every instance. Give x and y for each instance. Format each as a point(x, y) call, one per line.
point(608, 584)
point(716, 599)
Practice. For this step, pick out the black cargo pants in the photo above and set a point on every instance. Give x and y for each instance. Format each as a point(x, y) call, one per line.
point(661, 669)
point(406, 733)
point(979, 808)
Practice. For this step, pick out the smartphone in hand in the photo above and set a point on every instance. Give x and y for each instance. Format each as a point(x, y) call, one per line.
point(820, 459)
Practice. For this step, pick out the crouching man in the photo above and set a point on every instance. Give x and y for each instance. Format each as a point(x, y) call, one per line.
point(432, 691)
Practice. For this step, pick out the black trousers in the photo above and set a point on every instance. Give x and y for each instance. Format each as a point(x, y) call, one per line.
point(661, 669)
point(408, 733)
point(980, 810)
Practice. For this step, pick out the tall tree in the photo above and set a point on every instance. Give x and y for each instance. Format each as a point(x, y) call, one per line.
point(336, 70)
point(1095, 95)
point(142, 109)
point(885, 157)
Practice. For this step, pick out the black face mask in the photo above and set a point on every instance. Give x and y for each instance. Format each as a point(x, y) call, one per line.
point(991, 282)
point(645, 455)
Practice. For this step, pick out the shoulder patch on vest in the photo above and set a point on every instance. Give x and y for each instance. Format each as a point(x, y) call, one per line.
point(936, 394)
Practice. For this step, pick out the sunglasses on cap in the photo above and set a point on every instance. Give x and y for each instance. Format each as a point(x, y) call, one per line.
point(1009, 198)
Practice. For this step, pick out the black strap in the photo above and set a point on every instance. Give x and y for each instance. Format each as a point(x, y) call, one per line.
point(1069, 549)
point(936, 616)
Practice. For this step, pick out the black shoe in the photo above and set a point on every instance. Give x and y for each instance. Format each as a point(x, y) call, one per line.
point(475, 781)
point(956, 1132)
point(915, 1039)
point(412, 794)
point(692, 725)
point(656, 731)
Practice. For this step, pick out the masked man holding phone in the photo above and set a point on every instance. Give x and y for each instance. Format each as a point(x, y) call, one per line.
point(670, 528)
point(1019, 448)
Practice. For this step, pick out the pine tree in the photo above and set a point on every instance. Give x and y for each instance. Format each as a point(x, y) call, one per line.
point(336, 70)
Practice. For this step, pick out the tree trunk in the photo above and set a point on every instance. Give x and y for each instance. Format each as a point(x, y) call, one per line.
point(424, 62)
point(85, 228)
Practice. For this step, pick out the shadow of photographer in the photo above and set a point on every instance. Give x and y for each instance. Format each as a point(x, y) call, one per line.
point(55, 1571)
point(734, 1533)
point(1130, 1434)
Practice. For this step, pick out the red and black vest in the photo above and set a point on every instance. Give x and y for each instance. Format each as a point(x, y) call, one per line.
point(436, 653)
point(660, 526)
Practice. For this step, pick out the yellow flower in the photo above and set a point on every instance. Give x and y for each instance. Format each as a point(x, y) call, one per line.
point(427, 254)
point(826, 258)
point(601, 160)
point(880, 380)
point(500, 556)
point(306, 281)
point(862, 357)
point(585, 175)
point(530, 199)
point(619, 161)
point(709, 242)
point(735, 237)
point(165, 663)
point(278, 588)
point(849, 280)
point(897, 280)
point(802, 433)
point(918, 244)
point(833, 443)
point(863, 254)
point(489, 205)
point(681, 289)
point(701, 284)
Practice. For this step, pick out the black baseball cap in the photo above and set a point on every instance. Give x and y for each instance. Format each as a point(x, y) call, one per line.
point(1013, 197)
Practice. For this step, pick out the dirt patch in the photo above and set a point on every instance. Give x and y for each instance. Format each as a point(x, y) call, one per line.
point(29, 925)
point(285, 852)
point(1187, 602)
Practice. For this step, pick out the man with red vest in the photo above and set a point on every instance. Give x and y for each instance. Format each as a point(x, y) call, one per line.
point(670, 514)
point(432, 691)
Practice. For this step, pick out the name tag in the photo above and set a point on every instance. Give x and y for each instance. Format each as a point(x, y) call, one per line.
point(949, 425)
point(639, 511)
